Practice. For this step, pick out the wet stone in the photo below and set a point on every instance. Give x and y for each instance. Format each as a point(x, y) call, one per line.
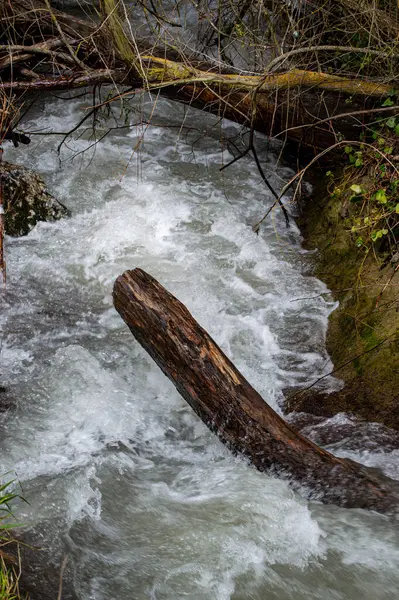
point(27, 200)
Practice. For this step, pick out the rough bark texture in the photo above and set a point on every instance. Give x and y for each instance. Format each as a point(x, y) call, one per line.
point(230, 407)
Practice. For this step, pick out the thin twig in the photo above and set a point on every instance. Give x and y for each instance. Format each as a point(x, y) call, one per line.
point(87, 116)
point(327, 48)
point(301, 173)
point(64, 38)
point(62, 570)
point(386, 285)
point(251, 148)
point(354, 113)
point(2, 261)
point(345, 364)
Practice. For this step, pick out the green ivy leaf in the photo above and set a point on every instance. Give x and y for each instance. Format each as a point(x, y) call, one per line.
point(388, 150)
point(375, 235)
point(388, 102)
point(381, 196)
point(348, 149)
point(357, 189)
point(391, 123)
point(397, 209)
point(397, 129)
point(358, 162)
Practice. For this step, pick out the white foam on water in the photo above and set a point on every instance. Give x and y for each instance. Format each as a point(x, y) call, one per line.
point(100, 438)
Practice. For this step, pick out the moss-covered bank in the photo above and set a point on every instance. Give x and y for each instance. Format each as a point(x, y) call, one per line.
point(365, 326)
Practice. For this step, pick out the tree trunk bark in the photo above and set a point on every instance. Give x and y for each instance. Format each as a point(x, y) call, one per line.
point(232, 409)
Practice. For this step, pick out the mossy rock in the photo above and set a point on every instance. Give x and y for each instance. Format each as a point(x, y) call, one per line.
point(27, 200)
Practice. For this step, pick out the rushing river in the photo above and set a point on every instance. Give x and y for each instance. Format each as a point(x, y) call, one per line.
point(147, 503)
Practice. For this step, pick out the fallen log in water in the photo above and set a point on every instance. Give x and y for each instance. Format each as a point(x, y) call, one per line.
point(230, 407)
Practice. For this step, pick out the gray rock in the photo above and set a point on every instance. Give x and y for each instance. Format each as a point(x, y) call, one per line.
point(27, 200)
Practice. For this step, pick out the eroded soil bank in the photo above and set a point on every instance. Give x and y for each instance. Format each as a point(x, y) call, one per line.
point(363, 332)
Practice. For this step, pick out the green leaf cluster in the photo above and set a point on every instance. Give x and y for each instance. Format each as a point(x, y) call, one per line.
point(371, 184)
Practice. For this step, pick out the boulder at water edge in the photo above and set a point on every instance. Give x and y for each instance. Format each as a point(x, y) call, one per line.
point(27, 200)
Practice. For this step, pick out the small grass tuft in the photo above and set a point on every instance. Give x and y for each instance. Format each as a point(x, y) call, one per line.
point(10, 567)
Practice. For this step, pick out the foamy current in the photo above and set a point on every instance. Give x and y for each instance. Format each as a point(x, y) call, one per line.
point(147, 502)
